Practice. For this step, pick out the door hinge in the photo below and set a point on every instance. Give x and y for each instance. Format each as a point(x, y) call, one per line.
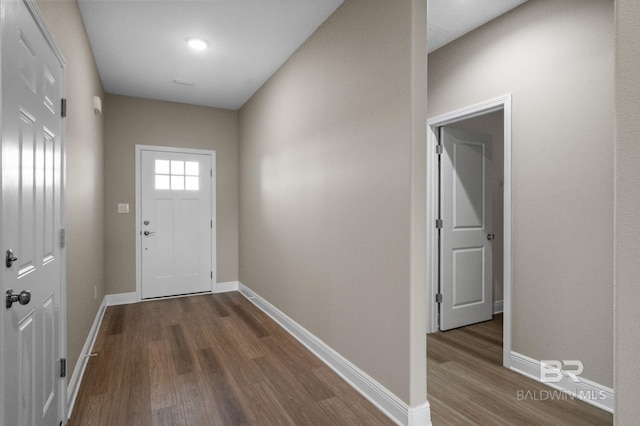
point(212, 224)
point(439, 298)
point(439, 224)
point(211, 172)
point(439, 149)
point(63, 107)
point(211, 274)
point(63, 367)
point(63, 238)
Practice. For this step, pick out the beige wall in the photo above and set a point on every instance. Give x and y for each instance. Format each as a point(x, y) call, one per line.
point(84, 179)
point(556, 58)
point(492, 124)
point(418, 210)
point(326, 186)
point(85, 237)
point(627, 231)
point(134, 121)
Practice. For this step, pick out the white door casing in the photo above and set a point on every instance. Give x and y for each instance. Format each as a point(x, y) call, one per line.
point(176, 222)
point(504, 104)
point(34, 333)
point(466, 253)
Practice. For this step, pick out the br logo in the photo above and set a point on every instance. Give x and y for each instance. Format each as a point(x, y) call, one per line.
point(553, 371)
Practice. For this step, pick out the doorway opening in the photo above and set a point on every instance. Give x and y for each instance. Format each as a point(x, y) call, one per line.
point(491, 118)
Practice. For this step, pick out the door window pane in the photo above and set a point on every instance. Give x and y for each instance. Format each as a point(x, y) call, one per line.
point(177, 183)
point(192, 183)
point(162, 167)
point(177, 175)
point(177, 167)
point(162, 182)
point(192, 168)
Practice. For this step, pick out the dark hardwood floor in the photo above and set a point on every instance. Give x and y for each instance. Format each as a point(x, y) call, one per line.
point(218, 360)
point(209, 360)
point(467, 385)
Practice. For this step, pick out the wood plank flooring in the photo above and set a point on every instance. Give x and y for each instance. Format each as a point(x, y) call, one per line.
point(218, 360)
point(467, 385)
point(209, 360)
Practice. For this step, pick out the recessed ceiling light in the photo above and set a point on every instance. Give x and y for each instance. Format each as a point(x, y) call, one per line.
point(197, 43)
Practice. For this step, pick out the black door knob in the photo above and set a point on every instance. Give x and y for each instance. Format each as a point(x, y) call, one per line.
point(23, 298)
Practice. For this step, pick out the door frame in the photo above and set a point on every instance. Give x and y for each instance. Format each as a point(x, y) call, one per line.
point(212, 154)
point(502, 103)
point(39, 20)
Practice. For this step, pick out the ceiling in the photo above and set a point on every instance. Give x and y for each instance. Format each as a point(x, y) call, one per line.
point(140, 46)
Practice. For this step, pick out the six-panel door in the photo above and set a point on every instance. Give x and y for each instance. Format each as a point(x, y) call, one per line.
point(32, 161)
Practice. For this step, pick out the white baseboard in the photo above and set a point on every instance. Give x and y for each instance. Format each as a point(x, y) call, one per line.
point(420, 416)
point(585, 390)
point(498, 307)
point(226, 287)
point(128, 298)
point(396, 409)
point(81, 365)
point(121, 298)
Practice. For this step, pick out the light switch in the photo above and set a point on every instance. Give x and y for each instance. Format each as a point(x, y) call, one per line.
point(123, 208)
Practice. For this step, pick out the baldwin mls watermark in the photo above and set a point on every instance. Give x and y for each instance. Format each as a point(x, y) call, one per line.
point(561, 395)
point(555, 371)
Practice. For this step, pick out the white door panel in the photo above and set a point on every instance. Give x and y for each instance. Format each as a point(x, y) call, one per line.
point(176, 214)
point(466, 282)
point(468, 276)
point(33, 393)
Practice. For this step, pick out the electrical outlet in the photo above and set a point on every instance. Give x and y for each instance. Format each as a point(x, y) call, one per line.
point(123, 208)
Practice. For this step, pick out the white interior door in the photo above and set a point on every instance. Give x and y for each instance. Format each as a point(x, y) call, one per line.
point(177, 221)
point(33, 391)
point(465, 237)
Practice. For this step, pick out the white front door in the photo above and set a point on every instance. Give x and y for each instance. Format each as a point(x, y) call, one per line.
point(33, 392)
point(465, 237)
point(176, 222)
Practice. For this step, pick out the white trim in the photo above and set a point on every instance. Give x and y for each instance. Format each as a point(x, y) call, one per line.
point(226, 287)
point(396, 409)
point(420, 416)
point(37, 16)
point(586, 390)
point(432, 235)
point(133, 297)
point(121, 299)
point(139, 149)
point(498, 307)
point(502, 103)
point(81, 364)
point(2, 336)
